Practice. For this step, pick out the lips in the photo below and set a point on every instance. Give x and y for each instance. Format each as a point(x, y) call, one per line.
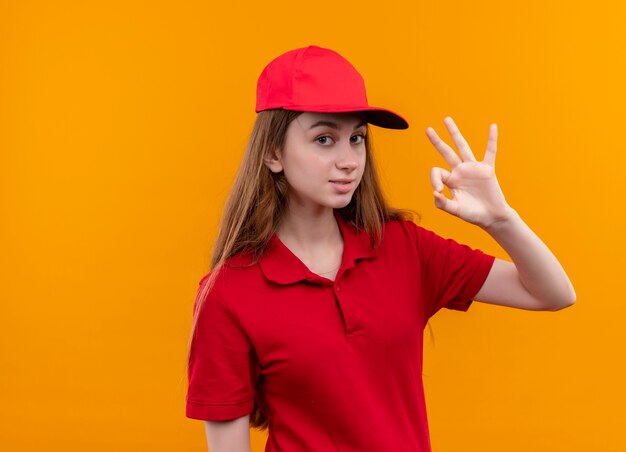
point(342, 181)
point(342, 186)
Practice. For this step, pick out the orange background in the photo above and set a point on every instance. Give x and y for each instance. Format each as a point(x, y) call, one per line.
point(121, 129)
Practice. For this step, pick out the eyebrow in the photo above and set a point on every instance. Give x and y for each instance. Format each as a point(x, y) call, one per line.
point(334, 125)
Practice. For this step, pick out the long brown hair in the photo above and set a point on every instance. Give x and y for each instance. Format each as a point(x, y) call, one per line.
point(258, 199)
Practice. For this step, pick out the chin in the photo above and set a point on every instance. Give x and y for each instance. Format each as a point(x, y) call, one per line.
point(340, 203)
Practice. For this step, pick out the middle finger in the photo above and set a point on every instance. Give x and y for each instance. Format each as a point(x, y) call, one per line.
point(446, 151)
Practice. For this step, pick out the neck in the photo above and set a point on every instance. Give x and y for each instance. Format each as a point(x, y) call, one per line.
point(309, 229)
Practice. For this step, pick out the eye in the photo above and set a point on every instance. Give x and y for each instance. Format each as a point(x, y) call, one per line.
point(359, 138)
point(323, 140)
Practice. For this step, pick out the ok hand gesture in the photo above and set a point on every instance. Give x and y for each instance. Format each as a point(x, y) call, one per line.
point(476, 194)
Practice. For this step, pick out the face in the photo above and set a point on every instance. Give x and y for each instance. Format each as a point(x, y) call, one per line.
point(323, 158)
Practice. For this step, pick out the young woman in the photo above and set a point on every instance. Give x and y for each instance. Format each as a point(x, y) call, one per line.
point(310, 322)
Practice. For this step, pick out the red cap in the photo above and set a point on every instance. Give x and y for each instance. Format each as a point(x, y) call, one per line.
point(320, 80)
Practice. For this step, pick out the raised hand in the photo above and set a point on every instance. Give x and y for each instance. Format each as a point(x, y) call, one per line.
point(476, 194)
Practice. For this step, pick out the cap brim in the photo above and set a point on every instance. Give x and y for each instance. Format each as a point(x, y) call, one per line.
point(385, 118)
point(380, 117)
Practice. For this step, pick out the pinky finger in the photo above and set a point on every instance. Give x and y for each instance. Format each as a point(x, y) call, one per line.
point(492, 146)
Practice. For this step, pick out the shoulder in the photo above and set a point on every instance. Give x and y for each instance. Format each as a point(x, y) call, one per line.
point(398, 241)
point(402, 229)
point(240, 268)
point(404, 233)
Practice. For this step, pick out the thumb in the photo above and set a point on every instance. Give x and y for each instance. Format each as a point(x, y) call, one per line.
point(445, 204)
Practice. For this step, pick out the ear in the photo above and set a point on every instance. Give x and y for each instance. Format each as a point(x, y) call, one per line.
point(272, 161)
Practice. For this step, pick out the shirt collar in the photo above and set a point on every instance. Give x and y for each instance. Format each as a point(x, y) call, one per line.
point(280, 265)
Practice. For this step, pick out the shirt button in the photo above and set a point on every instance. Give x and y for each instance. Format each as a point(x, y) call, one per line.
point(338, 288)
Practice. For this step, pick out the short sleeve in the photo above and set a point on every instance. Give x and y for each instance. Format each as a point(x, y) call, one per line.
point(222, 364)
point(452, 273)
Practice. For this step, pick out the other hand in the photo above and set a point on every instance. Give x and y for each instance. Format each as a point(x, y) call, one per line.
point(476, 194)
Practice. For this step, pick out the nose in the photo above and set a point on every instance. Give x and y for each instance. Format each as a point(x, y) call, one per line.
point(347, 157)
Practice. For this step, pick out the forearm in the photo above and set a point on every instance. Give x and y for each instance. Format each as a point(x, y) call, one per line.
point(539, 270)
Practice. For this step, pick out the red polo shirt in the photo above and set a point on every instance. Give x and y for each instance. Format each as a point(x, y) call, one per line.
point(334, 365)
